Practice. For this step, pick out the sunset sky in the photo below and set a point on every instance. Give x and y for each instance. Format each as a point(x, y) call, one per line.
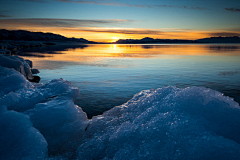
point(109, 20)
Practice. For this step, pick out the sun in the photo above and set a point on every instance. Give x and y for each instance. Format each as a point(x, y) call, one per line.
point(114, 39)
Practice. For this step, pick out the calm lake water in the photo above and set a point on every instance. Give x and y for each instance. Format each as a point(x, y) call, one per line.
point(109, 75)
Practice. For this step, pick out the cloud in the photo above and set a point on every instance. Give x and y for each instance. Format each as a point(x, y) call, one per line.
point(197, 8)
point(109, 3)
point(224, 34)
point(39, 1)
point(167, 34)
point(233, 9)
point(121, 31)
point(98, 2)
point(182, 7)
point(70, 23)
point(4, 16)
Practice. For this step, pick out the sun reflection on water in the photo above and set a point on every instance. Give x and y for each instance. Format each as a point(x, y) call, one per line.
point(92, 53)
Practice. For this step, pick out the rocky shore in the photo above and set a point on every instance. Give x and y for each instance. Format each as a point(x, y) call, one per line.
point(11, 47)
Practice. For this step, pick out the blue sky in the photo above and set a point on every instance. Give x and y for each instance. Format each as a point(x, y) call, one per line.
point(120, 18)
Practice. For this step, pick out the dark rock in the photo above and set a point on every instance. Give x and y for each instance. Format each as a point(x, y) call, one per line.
point(49, 43)
point(35, 71)
point(35, 79)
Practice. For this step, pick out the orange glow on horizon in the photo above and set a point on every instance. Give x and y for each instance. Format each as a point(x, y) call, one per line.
point(112, 35)
point(114, 39)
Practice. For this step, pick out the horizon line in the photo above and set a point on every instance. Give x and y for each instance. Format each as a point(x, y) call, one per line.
point(106, 40)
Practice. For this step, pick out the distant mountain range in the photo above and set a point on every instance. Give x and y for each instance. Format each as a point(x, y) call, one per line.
point(40, 36)
point(234, 39)
point(36, 36)
point(148, 40)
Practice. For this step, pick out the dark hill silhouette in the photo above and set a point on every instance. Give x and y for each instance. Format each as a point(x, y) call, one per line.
point(234, 39)
point(36, 36)
point(148, 40)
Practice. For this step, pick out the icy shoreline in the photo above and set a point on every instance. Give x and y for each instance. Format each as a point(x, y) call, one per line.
point(42, 122)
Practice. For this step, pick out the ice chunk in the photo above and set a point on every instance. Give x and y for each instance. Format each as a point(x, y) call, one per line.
point(29, 62)
point(18, 138)
point(26, 98)
point(17, 63)
point(11, 81)
point(20, 95)
point(10, 62)
point(167, 123)
point(51, 109)
point(61, 122)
